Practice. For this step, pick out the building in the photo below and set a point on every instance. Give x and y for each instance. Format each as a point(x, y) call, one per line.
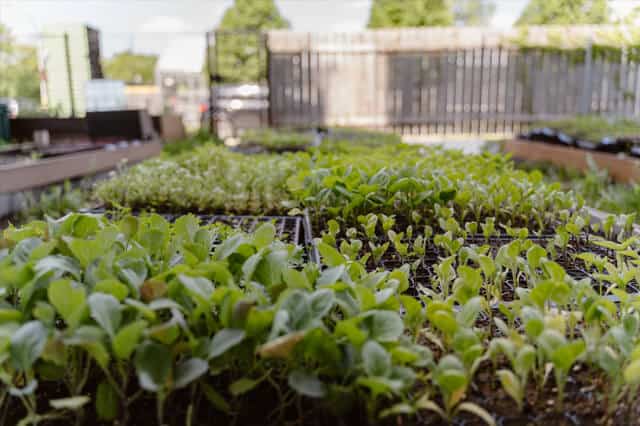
point(180, 73)
point(70, 55)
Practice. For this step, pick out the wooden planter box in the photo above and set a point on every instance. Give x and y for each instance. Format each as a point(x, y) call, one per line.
point(23, 176)
point(620, 167)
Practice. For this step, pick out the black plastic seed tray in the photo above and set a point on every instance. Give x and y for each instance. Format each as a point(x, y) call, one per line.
point(291, 229)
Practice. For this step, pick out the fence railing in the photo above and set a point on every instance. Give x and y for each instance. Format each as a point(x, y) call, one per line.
point(418, 85)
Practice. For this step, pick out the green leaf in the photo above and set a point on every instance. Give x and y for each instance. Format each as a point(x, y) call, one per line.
point(330, 276)
point(58, 266)
point(153, 366)
point(112, 287)
point(307, 384)
point(243, 385)
point(224, 340)
point(385, 326)
point(106, 311)
point(264, 235)
point(444, 321)
point(27, 343)
point(71, 403)
point(321, 302)
point(69, 300)
point(107, 402)
point(377, 361)
point(228, 247)
point(215, 398)
point(125, 341)
point(199, 287)
point(632, 373)
point(511, 385)
point(330, 255)
point(189, 371)
point(296, 279)
point(475, 409)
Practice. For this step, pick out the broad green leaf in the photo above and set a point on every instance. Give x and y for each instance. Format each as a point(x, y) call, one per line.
point(58, 266)
point(153, 366)
point(330, 255)
point(69, 300)
point(377, 361)
point(264, 235)
point(125, 341)
point(112, 287)
point(27, 343)
point(197, 286)
point(296, 279)
point(189, 371)
point(307, 384)
point(106, 311)
point(321, 302)
point(330, 276)
point(385, 326)
point(224, 340)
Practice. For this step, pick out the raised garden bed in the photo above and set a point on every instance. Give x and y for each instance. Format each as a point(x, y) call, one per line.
point(21, 176)
point(621, 168)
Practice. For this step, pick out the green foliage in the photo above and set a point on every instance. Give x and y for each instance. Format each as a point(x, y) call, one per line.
point(276, 140)
point(564, 12)
point(594, 128)
point(474, 12)
point(131, 67)
point(54, 202)
point(222, 317)
point(410, 13)
point(200, 138)
point(207, 179)
point(239, 38)
point(18, 67)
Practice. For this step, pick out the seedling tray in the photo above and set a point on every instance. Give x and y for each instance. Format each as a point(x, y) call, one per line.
point(291, 229)
point(423, 271)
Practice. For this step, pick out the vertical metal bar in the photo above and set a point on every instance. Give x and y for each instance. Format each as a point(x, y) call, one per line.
point(498, 83)
point(67, 55)
point(585, 103)
point(210, 108)
point(455, 89)
point(480, 86)
point(271, 92)
point(472, 88)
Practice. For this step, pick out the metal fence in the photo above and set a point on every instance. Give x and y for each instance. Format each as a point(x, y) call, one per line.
point(429, 88)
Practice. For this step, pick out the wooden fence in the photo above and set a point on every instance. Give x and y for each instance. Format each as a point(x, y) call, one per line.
point(442, 81)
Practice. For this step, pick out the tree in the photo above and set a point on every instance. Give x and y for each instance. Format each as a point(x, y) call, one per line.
point(474, 12)
point(564, 12)
point(18, 68)
point(410, 13)
point(239, 39)
point(131, 67)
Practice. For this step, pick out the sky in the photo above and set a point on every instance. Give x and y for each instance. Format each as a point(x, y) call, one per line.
point(148, 26)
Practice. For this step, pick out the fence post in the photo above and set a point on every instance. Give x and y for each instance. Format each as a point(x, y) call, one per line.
point(585, 102)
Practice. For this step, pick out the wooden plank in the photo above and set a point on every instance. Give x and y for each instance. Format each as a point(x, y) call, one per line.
point(621, 168)
point(20, 176)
